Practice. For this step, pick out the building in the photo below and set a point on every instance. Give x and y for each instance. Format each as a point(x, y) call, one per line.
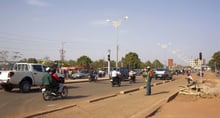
point(170, 63)
point(196, 63)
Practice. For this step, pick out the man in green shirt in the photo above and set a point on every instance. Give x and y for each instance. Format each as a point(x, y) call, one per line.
point(47, 79)
point(149, 76)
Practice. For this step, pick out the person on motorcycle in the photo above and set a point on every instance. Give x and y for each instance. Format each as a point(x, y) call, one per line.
point(115, 76)
point(132, 75)
point(57, 81)
point(92, 75)
point(47, 80)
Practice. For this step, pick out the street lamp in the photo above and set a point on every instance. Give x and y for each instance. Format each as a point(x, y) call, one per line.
point(116, 25)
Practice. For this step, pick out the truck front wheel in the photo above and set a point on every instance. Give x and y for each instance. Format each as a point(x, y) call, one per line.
point(25, 86)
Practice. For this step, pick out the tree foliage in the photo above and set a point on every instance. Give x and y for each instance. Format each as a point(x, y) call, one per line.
point(215, 61)
point(32, 60)
point(131, 60)
point(84, 61)
point(157, 64)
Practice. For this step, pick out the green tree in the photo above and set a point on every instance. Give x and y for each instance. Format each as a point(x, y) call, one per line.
point(99, 64)
point(214, 63)
point(72, 63)
point(148, 63)
point(157, 64)
point(84, 61)
point(112, 63)
point(32, 60)
point(131, 61)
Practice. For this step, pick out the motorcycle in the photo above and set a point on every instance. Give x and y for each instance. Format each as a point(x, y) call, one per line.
point(132, 79)
point(93, 77)
point(52, 93)
point(116, 81)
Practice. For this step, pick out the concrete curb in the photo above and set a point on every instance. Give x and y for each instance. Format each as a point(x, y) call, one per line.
point(159, 104)
point(102, 98)
point(146, 113)
point(49, 111)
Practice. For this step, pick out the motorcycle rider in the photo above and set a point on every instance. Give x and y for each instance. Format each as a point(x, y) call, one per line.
point(47, 80)
point(57, 81)
point(132, 75)
point(115, 76)
point(93, 75)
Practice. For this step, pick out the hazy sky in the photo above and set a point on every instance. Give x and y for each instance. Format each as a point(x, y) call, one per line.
point(155, 29)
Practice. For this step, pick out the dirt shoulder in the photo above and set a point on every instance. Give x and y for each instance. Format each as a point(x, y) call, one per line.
point(193, 106)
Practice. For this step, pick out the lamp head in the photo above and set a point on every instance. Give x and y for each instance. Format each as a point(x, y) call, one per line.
point(126, 17)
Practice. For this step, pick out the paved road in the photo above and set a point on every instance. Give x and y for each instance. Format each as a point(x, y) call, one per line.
point(15, 103)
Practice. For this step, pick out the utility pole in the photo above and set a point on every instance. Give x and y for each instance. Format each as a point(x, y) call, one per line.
point(62, 52)
point(109, 60)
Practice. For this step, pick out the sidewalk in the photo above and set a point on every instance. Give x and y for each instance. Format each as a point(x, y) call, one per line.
point(133, 104)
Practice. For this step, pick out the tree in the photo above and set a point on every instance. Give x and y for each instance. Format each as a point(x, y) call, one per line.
point(72, 63)
point(16, 56)
point(84, 61)
point(131, 60)
point(99, 64)
point(32, 60)
point(214, 63)
point(157, 64)
point(148, 63)
point(4, 55)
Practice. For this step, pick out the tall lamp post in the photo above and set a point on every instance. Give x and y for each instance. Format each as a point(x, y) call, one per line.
point(116, 25)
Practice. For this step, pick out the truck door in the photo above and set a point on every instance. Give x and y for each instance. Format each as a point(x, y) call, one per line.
point(37, 73)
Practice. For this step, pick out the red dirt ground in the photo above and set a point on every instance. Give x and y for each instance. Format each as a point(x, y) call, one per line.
point(189, 106)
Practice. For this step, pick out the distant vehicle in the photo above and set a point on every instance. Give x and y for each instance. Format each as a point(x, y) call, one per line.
point(138, 72)
point(23, 76)
point(80, 75)
point(101, 73)
point(124, 73)
point(163, 73)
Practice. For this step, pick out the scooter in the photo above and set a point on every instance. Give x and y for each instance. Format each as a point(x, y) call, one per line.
point(52, 93)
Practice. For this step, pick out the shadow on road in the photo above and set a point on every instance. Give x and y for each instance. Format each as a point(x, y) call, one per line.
point(162, 92)
point(75, 97)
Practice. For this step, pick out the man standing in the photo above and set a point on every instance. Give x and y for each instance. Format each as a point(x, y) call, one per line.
point(149, 76)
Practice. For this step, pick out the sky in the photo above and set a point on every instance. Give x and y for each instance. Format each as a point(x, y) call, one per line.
point(155, 29)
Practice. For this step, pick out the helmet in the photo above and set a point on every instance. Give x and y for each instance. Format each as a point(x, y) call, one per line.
point(53, 70)
point(48, 69)
point(148, 66)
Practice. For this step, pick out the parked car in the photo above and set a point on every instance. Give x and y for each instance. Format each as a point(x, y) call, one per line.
point(163, 73)
point(81, 74)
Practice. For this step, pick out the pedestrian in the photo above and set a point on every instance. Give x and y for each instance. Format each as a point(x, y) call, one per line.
point(148, 77)
point(189, 78)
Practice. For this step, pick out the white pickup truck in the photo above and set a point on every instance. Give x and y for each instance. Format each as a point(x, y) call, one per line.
point(23, 76)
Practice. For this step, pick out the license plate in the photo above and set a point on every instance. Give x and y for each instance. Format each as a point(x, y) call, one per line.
point(159, 75)
point(43, 90)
